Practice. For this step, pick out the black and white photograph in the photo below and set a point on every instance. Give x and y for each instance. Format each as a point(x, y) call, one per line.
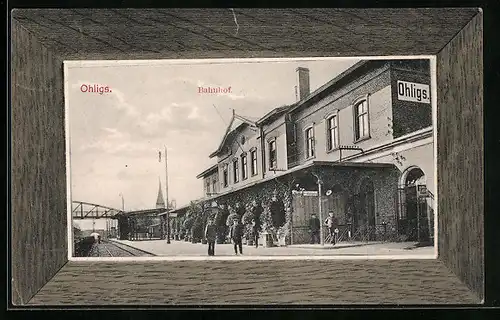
point(323, 158)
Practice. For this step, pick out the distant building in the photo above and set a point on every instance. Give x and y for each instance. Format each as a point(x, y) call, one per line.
point(361, 146)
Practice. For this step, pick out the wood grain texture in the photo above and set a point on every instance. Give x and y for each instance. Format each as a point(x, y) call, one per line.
point(38, 233)
point(461, 155)
point(204, 33)
point(255, 282)
point(43, 38)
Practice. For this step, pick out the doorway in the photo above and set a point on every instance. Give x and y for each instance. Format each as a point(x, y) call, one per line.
point(414, 215)
point(364, 217)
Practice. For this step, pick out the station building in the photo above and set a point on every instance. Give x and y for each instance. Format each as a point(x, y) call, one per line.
point(360, 146)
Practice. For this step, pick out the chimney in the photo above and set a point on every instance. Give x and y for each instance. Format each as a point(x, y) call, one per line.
point(302, 83)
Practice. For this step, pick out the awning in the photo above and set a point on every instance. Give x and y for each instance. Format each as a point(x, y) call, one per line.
point(144, 212)
point(172, 214)
point(306, 166)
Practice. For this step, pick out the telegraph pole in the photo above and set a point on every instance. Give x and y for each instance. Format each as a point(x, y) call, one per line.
point(117, 224)
point(320, 207)
point(166, 196)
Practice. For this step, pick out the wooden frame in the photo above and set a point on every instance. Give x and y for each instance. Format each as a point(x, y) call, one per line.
point(43, 38)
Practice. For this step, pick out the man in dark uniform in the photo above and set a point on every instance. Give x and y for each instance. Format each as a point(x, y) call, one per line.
point(237, 235)
point(211, 235)
point(256, 223)
point(314, 226)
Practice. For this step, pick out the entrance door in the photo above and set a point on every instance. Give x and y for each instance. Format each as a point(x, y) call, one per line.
point(411, 213)
point(304, 205)
point(415, 207)
point(364, 219)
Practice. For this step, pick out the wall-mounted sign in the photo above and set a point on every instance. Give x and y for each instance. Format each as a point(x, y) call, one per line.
point(305, 193)
point(416, 92)
point(422, 191)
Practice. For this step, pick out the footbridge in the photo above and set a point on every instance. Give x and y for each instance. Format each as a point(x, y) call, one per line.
point(86, 210)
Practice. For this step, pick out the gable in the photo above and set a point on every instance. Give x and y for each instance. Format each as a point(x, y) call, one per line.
point(235, 126)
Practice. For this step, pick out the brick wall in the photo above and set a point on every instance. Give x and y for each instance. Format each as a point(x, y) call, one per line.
point(409, 116)
point(375, 85)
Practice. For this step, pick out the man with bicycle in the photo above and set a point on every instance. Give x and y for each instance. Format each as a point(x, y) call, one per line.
point(332, 224)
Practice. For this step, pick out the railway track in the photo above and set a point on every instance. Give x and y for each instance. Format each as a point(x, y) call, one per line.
point(114, 249)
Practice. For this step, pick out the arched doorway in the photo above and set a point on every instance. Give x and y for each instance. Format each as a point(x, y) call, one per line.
point(413, 215)
point(364, 218)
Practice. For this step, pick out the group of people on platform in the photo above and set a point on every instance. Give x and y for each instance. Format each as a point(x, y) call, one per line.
point(236, 233)
point(314, 226)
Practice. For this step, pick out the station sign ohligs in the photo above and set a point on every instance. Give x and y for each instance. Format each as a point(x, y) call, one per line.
point(416, 92)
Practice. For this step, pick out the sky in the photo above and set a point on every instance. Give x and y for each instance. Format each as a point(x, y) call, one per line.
point(115, 137)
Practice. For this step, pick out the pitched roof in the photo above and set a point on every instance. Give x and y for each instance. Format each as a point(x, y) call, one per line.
point(244, 121)
point(338, 81)
point(271, 114)
point(207, 171)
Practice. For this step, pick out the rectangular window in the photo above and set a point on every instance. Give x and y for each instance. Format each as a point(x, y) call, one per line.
point(207, 186)
point(332, 132)
point(273, 163)
point(361, 120)
point(236, 171)
point(253, 156)
point(309, 142)
point(214, 185)
point(225, 176)
point(244, 167)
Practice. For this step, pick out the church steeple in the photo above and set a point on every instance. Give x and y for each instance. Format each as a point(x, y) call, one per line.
point(160, 203)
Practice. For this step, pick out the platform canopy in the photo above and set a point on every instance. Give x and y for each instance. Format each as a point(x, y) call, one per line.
point(144, 212)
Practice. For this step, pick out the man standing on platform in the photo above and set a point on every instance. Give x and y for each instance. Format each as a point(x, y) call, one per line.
point(211, 235)
point(314, 226)
point(236, 236)
point(332, 224)
point(256, 224)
